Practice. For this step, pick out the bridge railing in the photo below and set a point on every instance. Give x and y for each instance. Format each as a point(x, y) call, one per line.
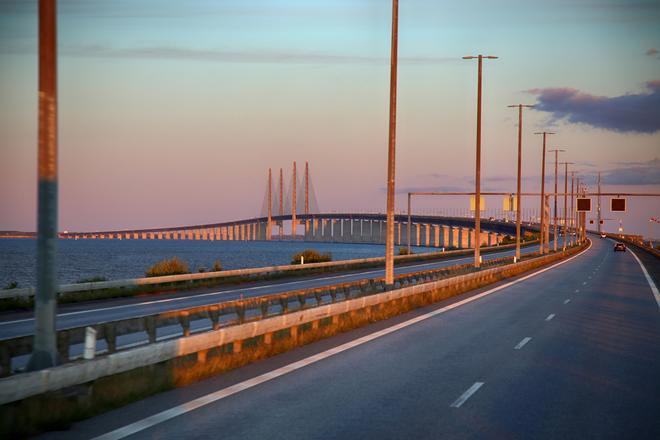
point(250, 273)
point(235, 312)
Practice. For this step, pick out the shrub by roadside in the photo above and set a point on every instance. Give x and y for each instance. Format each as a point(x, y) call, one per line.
point(173, 266)
point(311, 256)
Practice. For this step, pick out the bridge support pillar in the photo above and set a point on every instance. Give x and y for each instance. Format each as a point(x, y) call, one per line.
point(356, 231)
point(346, 234)
point(436, 236)
point(366, 231)
point(327, 230)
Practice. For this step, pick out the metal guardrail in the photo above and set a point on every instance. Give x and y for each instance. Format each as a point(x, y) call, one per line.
point(20, 386)
point(229, 312)
point(228, 274)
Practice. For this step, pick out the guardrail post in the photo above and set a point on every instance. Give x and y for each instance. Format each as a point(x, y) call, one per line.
point(110, 337)
point(264, 308)
point(236, 346)
point(240, 312)
point(301, 300)
point(184, 320)
point(63, 345)
point(214, 316)
point(5, 361)
point(150, 327)
point(284, 303)
point(268, 338)
point(90, 343)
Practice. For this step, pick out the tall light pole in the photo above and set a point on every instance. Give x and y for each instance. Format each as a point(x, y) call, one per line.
point(566, 164)
point(270, 204)
point(477, 174)
point(572, 208)
point(518, 188)
point(599, 216)
point(44, 351)
point(542, 239)
point(294, 202)
point(556, 151)
point(409, 222)
point(391, 148)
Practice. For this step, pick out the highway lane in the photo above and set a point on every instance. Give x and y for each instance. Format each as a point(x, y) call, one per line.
point(93, 313)
point(571, 352)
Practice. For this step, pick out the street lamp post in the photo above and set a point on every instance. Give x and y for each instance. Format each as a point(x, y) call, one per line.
point(542, 219)
point(566, 164)
point(389, 241)
point(409, 222)
point(572, 207)
point(518, 188)
point(556, 151)
point(44, 352)
point(477, 177)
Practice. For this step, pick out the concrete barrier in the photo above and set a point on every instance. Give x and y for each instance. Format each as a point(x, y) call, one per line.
point(24, 385)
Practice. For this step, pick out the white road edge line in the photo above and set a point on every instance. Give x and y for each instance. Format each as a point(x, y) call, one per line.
point(550, 316)
point(566, 301)
point(466, 395)
point(199, 402)
point(522, 343)
point(649, 280)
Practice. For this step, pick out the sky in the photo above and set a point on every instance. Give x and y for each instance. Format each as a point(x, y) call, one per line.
point(171, 112)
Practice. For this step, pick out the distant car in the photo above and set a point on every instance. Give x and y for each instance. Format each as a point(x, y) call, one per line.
point(603, 235)
point(619, 247)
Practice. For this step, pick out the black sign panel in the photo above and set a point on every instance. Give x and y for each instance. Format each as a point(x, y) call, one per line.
point(618, 205)
point(583, 205)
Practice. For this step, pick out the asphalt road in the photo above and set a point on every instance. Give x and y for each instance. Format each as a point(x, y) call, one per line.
point(571, 352)
point(13, 325)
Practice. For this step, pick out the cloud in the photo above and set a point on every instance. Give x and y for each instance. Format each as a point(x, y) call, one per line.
point(227, 56)
point(634, 173)
point(636, 113)
point(652, 52)
point(431, 188)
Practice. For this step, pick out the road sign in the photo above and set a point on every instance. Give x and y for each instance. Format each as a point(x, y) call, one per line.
point(482, 203)
point(618, 205)
point(510, 203)
point(583, 205)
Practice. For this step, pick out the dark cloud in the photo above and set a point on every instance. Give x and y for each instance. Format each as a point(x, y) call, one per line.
point(636, 113)
point(652, 52)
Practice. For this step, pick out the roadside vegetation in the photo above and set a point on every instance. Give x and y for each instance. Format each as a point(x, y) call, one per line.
point(311, 256)
point(94, 279)
point(173, 266)
point(11, 285)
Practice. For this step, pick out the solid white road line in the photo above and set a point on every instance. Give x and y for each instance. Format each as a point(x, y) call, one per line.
point(567, 301)
point(522, 343)
point(466, 395)
point(250, 289)
point(550, 316)
point(649, 280)
point(163, 416)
